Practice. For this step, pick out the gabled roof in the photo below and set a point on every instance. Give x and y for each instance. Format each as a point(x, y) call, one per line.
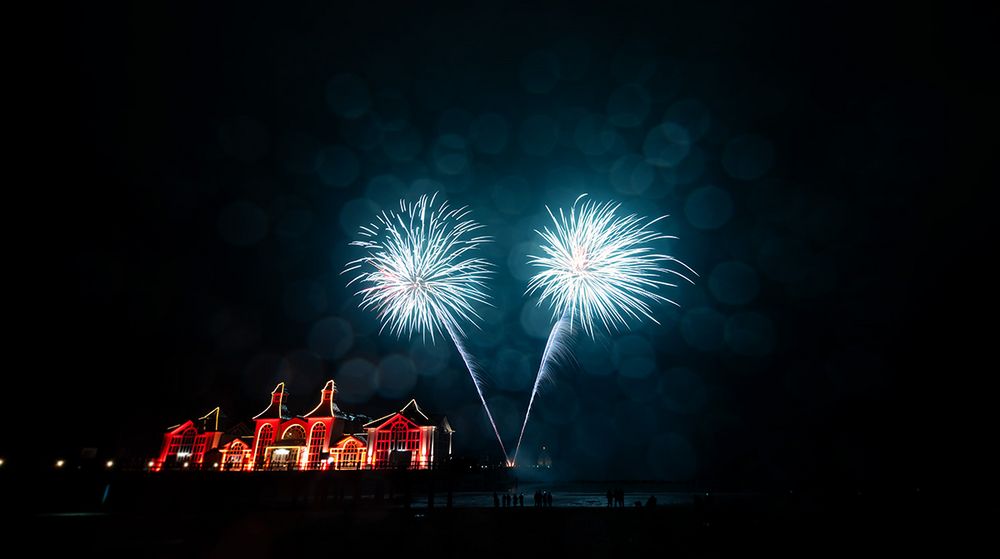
point(411, 411)
point(277, 408)
point(181, 427)
point(203, 424)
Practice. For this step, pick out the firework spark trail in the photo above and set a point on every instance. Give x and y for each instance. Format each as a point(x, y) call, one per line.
point(597, 267)
point(554, 348)
point(471, 366)
point(418, 277)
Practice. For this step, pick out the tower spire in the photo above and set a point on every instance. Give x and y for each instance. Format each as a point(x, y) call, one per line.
point(277, 408)
point(326, 407)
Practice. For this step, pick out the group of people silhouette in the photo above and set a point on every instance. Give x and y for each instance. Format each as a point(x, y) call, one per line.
point(542, 499)
point(508, 500)
point(616, 497)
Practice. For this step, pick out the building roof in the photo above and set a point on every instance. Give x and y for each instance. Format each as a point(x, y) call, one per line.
point(413, 413)
point(326, 407)
point(206, 423)
point(277, 409)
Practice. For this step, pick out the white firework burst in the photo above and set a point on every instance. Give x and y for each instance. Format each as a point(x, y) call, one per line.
point(418, 274)
point(600, 267)
point(420, 277)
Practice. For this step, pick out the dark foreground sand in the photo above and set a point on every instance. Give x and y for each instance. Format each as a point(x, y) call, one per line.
point(275, 517)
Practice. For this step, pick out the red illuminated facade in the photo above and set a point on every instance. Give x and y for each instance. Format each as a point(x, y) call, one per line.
point(282, 442)
point(408, 438)
point(324, 438)
point(187, 444)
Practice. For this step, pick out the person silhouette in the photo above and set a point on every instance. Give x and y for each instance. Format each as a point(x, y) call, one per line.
point(610, 497)
point(548, 499)
point(538, 497)
point(520, 500)
point(496, 500)
point(651, 501)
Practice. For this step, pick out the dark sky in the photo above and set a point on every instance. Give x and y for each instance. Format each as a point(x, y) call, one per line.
point(202, 170)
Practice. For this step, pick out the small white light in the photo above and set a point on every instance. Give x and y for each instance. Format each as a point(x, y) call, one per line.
point(185, 464)
point(1, 461)
point(281, 451)
point(216, 465)
point(60, 463)
point(150, 464)
point(110, 464)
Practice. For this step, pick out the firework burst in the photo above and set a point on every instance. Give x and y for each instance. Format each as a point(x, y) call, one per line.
point(418, 274)
point(598, 268)
point(420, 277)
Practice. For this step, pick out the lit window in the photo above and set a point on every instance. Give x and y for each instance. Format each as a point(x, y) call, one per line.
point(264, 438)
point(294, 432)
point(187, 443)
point(351, 455)
point(316, 440)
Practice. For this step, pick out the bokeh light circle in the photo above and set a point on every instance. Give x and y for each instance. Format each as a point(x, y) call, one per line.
point(704, 328)
point(733, 283)
point(750, 333)
point(331, 337)
point(709, 207)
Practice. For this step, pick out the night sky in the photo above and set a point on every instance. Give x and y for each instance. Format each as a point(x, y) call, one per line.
point(202, 170)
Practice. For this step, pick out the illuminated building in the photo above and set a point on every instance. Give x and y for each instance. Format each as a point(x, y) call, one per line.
point(189, 441)
point(324, 438)
point(282, 442)
point(407, 439)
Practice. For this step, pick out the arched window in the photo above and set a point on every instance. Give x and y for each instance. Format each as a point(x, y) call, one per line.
point(351, 456)
point(316, 439)
point(235, 456)
point(397, 436)
point(294, 432)
point(264, 438)
point(187, 445)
